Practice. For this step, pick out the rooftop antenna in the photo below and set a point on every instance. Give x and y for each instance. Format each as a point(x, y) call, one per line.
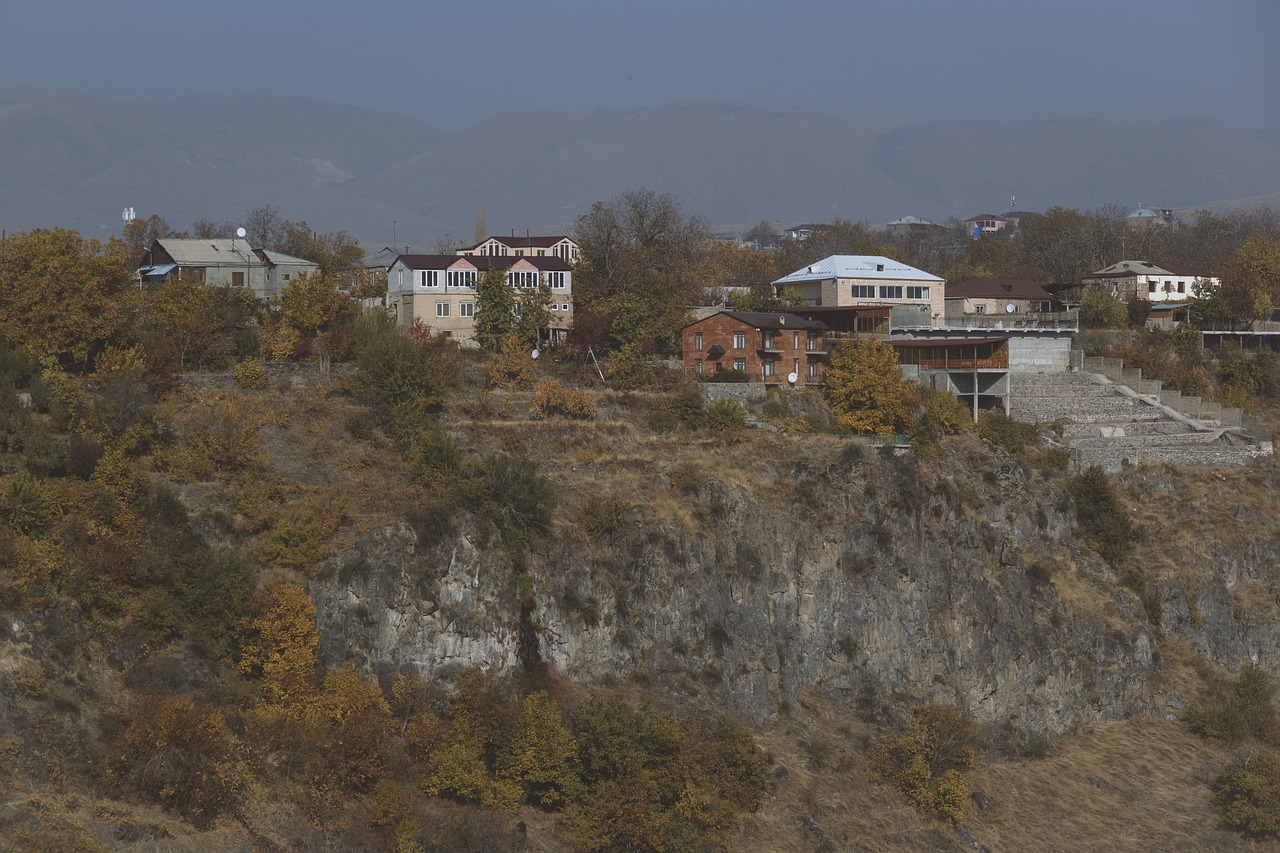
point(1012, 200)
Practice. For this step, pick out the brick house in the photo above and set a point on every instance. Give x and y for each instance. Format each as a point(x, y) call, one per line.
point(766, 346)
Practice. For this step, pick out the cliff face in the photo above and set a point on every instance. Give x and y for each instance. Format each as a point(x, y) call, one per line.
point(956, 580)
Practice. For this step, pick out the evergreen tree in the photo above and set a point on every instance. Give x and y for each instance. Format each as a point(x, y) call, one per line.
point(495, 309)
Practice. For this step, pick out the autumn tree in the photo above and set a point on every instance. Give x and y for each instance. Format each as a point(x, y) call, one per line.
point(1062, 244)
point(541, 755)
point(64, 296)
point(642, 266)
point(1251, 280)
point(338, 254)
point(139, 234)
point(841, 237)
point(866, 390)
point(763, 235)
point(184, 316)
point(927, 760)
point(279, 644)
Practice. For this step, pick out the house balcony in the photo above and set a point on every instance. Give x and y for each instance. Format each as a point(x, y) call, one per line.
point(1046, 320)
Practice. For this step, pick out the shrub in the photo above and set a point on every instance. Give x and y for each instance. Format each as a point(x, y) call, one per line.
point(25, 504)
point(1137, 312)
point(1248, 794)
point(551, 399)
point(510, 366)
point(1104, 520)
point(519, 497)
point(250, 373)
point(687, 408)
point(1005, 432)
point(726, 375)
point(83, 453)
point(926, 760)
point(1242, 709)
point(726, 413)
point(1100, 310)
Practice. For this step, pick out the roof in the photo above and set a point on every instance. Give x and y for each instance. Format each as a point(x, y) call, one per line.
point(910, 220)
point(281, 259)
point(997, 288)
point(482, 262)
point(943, 342)
point(984, 216)
point(522, 242)
point(1124, 269)
point(858, 266)
point(768, 320)
point(213, 251)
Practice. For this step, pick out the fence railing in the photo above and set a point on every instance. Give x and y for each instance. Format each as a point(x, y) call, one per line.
point(1189, 406)
point(1034, 320)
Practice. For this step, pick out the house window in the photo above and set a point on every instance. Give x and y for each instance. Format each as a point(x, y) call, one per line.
point(979, 309)
point(768, 367)
point(740, 364)
point(466, 309)
point(285, 276)
point(697, 341)
point(1151, 288)
point(917, 293)
point(697, 366)
point(517, 309)
point(461, 278)
point(890, 291)
point(863, 291)
point(237, 279)
point(812, 368)
point(442, 309)
point(812, 343)
point(1182, 287)
point(795, 366)
point(555, 307)
point(769, 338)
point(428, 278)
point(739, 340)
point(564, 307)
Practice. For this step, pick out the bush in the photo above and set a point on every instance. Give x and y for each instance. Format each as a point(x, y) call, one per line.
point(1242, 709)
point(551, 399)
point(723, 375)
point(1005, 432)
point(1104, 520)
point(726, 413)
point(926, 760)
point(1100, 310)
point(1248, 794)
point(250, 373)
point(687, 408)
point(25, 504)
point(519, 497)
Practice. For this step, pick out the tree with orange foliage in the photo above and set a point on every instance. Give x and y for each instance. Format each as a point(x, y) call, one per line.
point(279, 644)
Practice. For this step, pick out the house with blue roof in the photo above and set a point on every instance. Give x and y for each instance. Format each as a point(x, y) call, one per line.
point(868, 280)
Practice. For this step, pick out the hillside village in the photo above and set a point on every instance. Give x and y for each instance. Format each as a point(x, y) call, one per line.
point(640, 537)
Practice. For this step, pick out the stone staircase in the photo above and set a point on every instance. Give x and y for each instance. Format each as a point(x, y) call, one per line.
point(1108, 424)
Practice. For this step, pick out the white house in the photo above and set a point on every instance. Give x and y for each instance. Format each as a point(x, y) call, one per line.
point(1155, 282)
point(440, 290)
point(867, 280)
point(223, 262)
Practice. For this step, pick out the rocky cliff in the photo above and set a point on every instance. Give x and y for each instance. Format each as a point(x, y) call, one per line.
point(833, 568)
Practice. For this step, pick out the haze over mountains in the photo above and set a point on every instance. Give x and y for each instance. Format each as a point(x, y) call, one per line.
point(70, 158)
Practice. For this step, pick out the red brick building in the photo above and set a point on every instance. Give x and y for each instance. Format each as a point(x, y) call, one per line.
point(765, 346)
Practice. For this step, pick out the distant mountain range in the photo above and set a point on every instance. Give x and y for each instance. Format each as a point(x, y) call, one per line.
point(75, 159)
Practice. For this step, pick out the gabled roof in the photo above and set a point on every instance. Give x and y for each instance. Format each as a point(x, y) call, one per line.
point(985, 216)
point(281, 259)
point(1124, 269)
point(910, 220)
point(773, 320)
point(202, 252)
point(997, 288)
point(482, 262)
point(858, 266)
point(522, 242)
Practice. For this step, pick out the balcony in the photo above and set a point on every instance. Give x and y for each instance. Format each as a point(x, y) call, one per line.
point(1047, 320)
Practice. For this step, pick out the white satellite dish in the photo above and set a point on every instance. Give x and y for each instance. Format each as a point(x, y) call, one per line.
point(792, 377)
point(535, 353)
point(240, 232)
point(1009, 309)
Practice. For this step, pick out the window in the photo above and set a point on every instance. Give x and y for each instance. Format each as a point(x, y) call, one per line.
point(237, 279)
point(442, 309)
point(979, 309)
point(555, 307)
point(739, 340)
point(795, 340)
point(461, 278)
point(768, 367)
point(863, 291)
point(285, 276)
point(812, 343)
point(1182, 287)
point(697, 366)
point(466, 309)
point(556, 280)
point(890, 291)
point(517, 308)
point(428, 278)
point(812, 368)
point(697, 341)
point(917, 293)
point(564, 307)
point(769, 338)
point(740, 364)
point(795, 366)
point(1151, 288)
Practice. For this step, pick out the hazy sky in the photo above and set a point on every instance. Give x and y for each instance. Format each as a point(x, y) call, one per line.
point(455, 63)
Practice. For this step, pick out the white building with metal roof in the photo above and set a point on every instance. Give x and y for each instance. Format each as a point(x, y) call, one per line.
point(226, 262)
point(867, 280)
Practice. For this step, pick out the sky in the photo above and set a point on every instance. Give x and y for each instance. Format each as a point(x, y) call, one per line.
point(457, 63)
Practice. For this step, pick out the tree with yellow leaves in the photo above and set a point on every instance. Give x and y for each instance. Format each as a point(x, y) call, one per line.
point(866, 390)
point(279, 644)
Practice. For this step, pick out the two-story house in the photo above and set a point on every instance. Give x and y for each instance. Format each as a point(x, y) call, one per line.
point(440, 290)
point(844, 280)
point(1156, 282)
point(765, 346)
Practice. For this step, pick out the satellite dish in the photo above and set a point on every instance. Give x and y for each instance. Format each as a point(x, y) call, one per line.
point(240, 232)
point(792, 377)
point(1009, 309)
point(534, 355)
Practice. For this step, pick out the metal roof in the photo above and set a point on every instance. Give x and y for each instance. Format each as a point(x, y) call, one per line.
point(859, 266)
point(214, 251)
